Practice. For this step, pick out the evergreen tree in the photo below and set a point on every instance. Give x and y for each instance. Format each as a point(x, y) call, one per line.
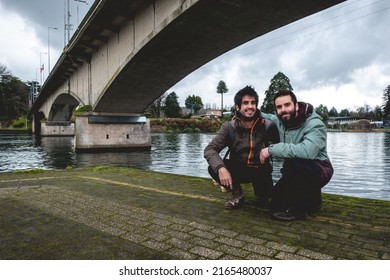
point(344, 113)
point(171, 106)
point(333, 112)
point(386, 102)
point(221, 89)
point(278, 82)
point(194, 103)
point(323, 112)
point(378, 113)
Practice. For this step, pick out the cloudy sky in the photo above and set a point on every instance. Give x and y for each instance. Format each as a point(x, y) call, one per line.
point(339, 57)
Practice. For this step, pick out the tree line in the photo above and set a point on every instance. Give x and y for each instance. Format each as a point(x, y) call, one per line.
point(14, 100)
point(169, 104)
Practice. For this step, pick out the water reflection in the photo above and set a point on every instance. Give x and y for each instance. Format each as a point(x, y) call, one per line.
point(55, 157)
point(361, 166)
point(386, 162)
point(136, 159)
point(361, 160)
point(20, 152)
point(180, 153)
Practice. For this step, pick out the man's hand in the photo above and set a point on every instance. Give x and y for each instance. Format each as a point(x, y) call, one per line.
point(225, 178)
point(264, 155)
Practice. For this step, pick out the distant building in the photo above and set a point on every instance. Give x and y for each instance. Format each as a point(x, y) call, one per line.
point(213, 114)
point(377, 124)
point(342, 120)
point(228, 113)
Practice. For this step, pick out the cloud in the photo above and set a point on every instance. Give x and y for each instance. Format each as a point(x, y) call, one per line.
point(20, 45)
point(338, 57)
point(24, 33)
point(365, 88)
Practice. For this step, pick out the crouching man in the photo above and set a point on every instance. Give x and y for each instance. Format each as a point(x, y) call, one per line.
point(306, 168)
point(245, 136)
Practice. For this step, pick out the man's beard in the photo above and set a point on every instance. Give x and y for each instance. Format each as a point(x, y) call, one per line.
point(245, 118)
point(290, 122)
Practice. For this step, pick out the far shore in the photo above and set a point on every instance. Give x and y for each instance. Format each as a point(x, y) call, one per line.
point(360, 130)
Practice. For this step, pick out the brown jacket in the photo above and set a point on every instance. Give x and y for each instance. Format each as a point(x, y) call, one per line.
point(245, 144)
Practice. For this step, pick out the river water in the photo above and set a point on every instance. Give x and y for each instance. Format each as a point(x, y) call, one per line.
point(361, 160)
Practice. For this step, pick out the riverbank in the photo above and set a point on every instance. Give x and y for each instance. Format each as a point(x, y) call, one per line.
point(122, 213)
point(178, 125)
point(16, 131)
point(360, 130)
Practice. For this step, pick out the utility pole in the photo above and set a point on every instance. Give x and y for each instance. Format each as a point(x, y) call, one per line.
point(67, 25)
point(48, 47)
point(67, 15)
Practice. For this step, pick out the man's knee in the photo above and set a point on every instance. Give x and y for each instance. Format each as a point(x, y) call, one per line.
point(298, 166)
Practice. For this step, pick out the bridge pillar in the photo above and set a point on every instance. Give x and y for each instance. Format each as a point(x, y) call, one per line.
point(106, 133)
point(57, 128)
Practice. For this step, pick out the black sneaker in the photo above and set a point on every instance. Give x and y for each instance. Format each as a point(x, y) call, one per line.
point(287, 215)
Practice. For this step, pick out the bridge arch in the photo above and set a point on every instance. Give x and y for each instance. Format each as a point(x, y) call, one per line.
point(63, 107)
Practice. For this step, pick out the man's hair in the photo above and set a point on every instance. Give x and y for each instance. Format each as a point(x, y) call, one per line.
point(286, 92)
point(248, 90)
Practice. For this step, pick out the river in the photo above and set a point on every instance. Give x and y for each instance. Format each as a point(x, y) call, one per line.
point(361, 160)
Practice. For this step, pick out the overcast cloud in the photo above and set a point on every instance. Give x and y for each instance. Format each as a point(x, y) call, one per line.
point(339, 57)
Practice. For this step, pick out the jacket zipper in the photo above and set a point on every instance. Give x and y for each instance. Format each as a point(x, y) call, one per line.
point(251, 141)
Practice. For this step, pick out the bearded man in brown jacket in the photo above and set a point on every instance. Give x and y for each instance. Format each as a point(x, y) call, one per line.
point(245, 136)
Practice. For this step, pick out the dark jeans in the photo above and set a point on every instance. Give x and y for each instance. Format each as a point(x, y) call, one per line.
point(259, 177)
point(300, 186)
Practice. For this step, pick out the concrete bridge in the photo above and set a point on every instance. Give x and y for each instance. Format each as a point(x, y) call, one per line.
point(127, 53)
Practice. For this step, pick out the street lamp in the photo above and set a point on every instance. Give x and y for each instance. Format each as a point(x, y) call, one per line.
point(80, 1)
point(48, 46)
point(41, 67)
point(67, 15)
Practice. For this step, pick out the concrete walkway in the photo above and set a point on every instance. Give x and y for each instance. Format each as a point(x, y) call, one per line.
point(118, 213)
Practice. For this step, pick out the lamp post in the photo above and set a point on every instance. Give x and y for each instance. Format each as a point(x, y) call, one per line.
point(41, 67)
point(80, 1)
point(48, 47)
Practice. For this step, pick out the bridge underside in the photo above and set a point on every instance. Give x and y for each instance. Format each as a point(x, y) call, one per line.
point(62, 108)
point(210, 29)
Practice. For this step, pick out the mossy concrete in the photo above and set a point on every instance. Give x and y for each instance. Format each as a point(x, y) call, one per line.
point(122, 213)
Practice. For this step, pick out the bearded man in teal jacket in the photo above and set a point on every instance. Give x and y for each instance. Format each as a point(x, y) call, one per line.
point(306, 167)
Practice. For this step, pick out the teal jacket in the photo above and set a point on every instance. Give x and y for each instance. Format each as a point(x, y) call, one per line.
point(306, 139)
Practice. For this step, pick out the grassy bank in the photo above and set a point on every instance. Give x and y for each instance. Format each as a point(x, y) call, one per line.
point(20, 125)
point(176, 125)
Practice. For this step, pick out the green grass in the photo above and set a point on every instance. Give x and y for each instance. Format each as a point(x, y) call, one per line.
point(20, 123)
